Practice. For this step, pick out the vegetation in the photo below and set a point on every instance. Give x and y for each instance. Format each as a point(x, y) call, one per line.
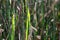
point(29, 19)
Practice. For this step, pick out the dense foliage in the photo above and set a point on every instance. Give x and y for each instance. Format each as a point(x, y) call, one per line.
point(29, 19)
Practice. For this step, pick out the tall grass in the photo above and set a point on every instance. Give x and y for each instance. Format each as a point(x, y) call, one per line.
point(27, 20)
point(14, 19)
point(27, 24)
point(13, 28)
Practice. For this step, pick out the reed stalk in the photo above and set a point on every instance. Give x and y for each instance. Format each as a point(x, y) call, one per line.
point(27, 20)
point(13, 27)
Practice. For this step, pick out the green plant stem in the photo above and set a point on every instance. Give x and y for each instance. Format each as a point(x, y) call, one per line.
point(13, 27)
point(27, 20)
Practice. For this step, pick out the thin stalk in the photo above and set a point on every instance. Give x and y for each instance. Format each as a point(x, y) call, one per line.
point(13, 27)
point(46, 32)
point(35, 20)
point(42, 12)
point(13, 21)
point(54, 27)
point(27, 25)
point(27, 20)
point(23, 21)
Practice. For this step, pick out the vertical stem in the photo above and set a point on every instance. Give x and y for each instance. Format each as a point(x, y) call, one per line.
point(13, 21)
point(13, 27)
point(54, 27)
point(27, 20)
point(42, 12)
